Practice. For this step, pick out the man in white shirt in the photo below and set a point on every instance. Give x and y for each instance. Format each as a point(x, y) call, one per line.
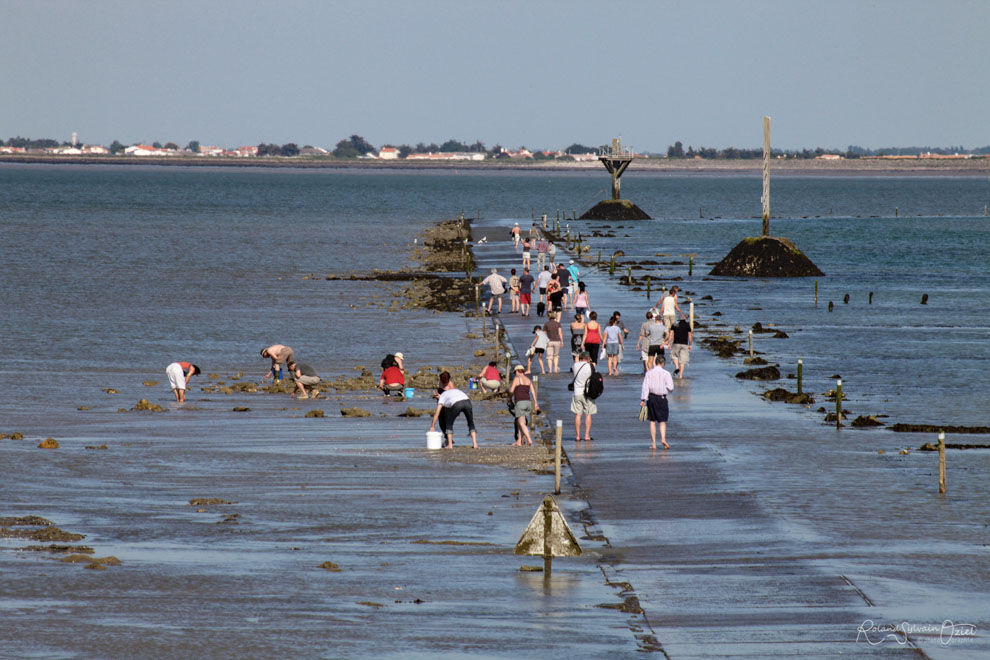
point(496, 286)
point(581, 406)
point(653, 396)
point(541, 281)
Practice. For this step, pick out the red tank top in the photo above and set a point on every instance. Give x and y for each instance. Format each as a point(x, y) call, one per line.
point(592, 335)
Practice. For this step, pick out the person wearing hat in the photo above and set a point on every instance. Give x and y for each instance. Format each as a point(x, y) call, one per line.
point(179, 374)
point(304, 375)
point(522, 394)
point(392, 376)
point(515, 234)
point(496, 287)
point(279, 355)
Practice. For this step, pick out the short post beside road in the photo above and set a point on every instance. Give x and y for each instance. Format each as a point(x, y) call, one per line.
point(556, 457)
point(691, 314)
point(508, 357)
point(532, 409)
point(941, 462)
point(649, 288)
point(838, 403)
point(751, 344)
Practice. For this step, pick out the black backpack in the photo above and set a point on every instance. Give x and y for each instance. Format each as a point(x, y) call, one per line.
point(595, 384)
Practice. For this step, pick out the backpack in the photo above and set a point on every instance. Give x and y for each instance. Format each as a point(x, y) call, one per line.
point(595, 384)
point(389, 361)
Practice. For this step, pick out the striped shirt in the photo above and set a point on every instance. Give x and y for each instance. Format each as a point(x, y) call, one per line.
point(656, 381)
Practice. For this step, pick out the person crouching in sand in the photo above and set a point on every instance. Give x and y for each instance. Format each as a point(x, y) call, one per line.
point(304, 375)
point(179, 374)
point(451, 403)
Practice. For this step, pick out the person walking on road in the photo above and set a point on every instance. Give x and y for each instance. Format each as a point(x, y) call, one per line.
point(516, 234)
point(613, 345)
point(680, 350)
point(580, 405)
point(496, 287)
point(643, 342)
point(537, 349)
point(592, 341)
point(514, 290)
point(525, 291)
point(523, 396)
point(657, 383)
point(669, 309)
point(556, 343)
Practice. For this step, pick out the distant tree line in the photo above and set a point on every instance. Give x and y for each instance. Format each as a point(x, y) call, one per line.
point(676, 150)
point(356, 146)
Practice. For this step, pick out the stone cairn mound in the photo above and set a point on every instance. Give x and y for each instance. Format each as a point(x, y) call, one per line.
point(766, 256)
point(615, 209)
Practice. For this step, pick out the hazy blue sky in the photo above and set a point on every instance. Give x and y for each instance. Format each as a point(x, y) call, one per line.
point(541, 74)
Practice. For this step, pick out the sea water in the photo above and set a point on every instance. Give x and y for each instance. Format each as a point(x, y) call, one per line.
point(111, 270)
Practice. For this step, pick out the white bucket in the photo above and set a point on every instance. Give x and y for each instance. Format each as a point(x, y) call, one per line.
point(434, 440)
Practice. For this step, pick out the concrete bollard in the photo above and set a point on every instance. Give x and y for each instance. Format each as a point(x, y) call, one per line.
point(800, 374)
point(691, 314)
point(941, 462)
point(556, 457)
point(838, 403)
point(532, 409)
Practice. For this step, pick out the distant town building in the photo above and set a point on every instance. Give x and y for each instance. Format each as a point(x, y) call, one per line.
point(245, 152)
point(388, 153)
point(146, 150)
point(448, 155)
point(829, 157)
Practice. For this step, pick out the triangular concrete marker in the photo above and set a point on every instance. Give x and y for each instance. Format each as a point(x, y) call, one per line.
point(559, 543)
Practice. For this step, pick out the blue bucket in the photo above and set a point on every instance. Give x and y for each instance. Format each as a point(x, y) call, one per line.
point(408, 392)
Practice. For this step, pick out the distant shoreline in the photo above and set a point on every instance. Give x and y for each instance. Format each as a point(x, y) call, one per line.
point(848, 167)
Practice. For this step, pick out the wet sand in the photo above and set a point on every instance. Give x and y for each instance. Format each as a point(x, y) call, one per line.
point(245, 528)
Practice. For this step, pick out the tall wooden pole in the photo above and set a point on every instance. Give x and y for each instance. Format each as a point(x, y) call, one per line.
point(766, 176)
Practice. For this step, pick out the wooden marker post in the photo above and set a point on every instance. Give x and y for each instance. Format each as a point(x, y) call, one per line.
point(629, 276)
point(800, 374)
point(690, 266)
point(941, 462)
point(766, 176)
point(649, 288)
point(556, 457)
point(477, 299)
point(838, 403)
point(611, 266)
point(508, 357)
point(484, 324)
point(816, 293)
point(532, 409)
point(598, 263)
point(751, 344)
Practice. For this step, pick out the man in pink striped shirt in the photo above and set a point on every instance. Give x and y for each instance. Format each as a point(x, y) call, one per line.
point(656, 384)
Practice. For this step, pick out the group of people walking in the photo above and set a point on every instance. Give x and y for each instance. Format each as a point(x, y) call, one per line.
point(560, 290)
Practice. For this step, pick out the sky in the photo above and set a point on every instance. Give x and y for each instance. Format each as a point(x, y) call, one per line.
point(532, 73)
